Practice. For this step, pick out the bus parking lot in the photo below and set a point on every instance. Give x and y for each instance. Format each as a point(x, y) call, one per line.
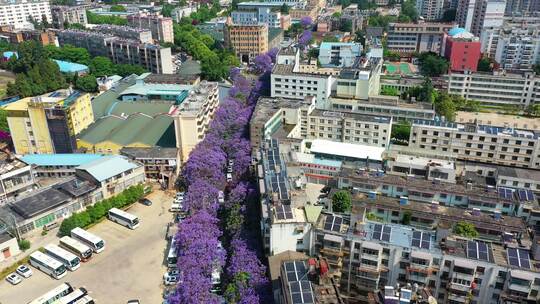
point(130, 267)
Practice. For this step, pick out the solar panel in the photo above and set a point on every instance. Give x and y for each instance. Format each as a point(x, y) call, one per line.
point(506, 193)
point(288, 211)
point(513, 258)
point(518, 257)
point(337, 224)
point(377, 231)
point(417, 236)
point(426, 240)
point(301, 292)
point(328, 223)
point(471, 250)
point(524, 258)
point(525, 195)
point(386, 233)
point(483, 254)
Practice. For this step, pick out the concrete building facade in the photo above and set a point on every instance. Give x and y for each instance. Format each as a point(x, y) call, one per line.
point(475, 15)
point(65, 15)
point(408, 38)
point(19, 12)
point(161, 27)
point(246, 40)
point(462, 49)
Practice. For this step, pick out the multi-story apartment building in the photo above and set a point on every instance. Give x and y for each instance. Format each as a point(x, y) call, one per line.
point(19, 12)
point(480, 143)
point(430, 10)
point(192, 117)
point(16, 177)
point(16, 36)
point(161, 27)
point(184, 11)
point(408, 38)
point(349, 127)
point(339, 54)
point(522, 7)
point(475, 15)
point(154, 58)
point(127, 32)
point(64, 15)
point(94, 42)
point(497, 88)
point(246, 40)
point(258, 12)
point(160, 164)
point(49, 123)
point(462, 50)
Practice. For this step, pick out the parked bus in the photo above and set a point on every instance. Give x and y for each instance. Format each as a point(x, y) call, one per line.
point(47, 264)
point(53, 295)
point(123, 218)
point(172, 256)
point(85, 300)
point(73, 297)
point(79, 249)
point(71, 261)
point(94, 242)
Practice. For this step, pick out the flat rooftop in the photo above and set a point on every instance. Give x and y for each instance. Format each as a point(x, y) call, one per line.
point(150, 153)
point(499, 120)
point(353, 115)
point(75, 159)
point(479, 129)
point(40, 202)
point(320, 146)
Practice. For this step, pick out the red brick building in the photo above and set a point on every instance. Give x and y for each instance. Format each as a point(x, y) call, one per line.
point(462, 49)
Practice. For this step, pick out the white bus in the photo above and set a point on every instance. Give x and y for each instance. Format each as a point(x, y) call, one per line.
point(71, 261)
point(93, 241)
point(47, 264)
point(123, 218)
point(85, 300)
point(53, 295)
point(172, 256)
point(79, 249)
point(73, 297)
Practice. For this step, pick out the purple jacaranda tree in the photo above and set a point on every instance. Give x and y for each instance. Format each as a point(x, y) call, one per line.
point(306, 22)
point(273, 54)
point(262, 63)
point(305, 38)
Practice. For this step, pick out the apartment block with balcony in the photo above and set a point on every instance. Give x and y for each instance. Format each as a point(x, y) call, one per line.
point(94, 42)
point(480, 143)
point(63, 15)
point(518, 52)
point(408, 38)
point(431, 10)
point(19, 12)
point(154, 58)
point(127, 32)
point(161, 27)
point(192, 117)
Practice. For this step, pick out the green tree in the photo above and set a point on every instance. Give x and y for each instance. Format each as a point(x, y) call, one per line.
point(465, 229)
point(284, 9)
point(432, 65)
point(485, 65)
point(101, 66)
point(346, 25)
point(313, 53)
point(536, 69)
point(166, 9)
point(128, 69)
point(342, 201)
point(389, 91)
point(444, 106)
point(406, 220)
point(336, 15)
point(401, 131)
point(24, 245)
point(427, 92)
point(391, 55)
point(532, 110)
point(3, 120)
point(118, 8)
point(86, 83)
point(98, 19)
point(408, 8)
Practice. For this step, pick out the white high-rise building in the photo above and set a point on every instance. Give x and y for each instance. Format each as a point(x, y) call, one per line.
point(19, 12)
point(431, 10)
point(475, 15)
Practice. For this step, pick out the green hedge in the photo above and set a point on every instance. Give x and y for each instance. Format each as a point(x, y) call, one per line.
point(95, 213)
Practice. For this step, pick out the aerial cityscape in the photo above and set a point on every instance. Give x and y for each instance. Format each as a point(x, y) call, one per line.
point(270, 151)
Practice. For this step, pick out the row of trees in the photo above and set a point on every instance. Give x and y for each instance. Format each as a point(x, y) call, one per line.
point(210, 222)
point(99, 210)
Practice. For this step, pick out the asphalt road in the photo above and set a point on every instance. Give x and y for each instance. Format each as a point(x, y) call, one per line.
point(130, 267)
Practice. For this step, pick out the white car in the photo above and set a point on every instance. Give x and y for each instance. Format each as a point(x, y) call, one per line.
point(221, 197)
point(171, 273)
point(13, 278)
point(24, 271)
point(229, 177)
point(180, 194)
point(170, 280)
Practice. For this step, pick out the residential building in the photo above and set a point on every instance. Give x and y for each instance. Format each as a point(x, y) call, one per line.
point(142, 120)
point(408, 38)
point(16, 36)
point(111, 174)
point(184, 11)
point(402, 83)
point(160, 164)
point(257, 12)
point(348, 127)
point(49, 123)
point(127, 32)
point(480, 143)
point(247, 40)
point(63, 15)
point(16, 177)
point(58, 165)
point(475, 15)
point(19, 12)
point(430, 10)
point(382, 105)
point(498, 120)
point(154, 58)
point(522, 7)
point(8, 246)
point(94, 42)
point(354, 15)
point(462, 50)
point(193, 116)
point(339, 54)
point(496, 88)
point(161, 27)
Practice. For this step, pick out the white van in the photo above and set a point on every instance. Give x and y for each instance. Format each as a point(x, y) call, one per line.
point(176, 208)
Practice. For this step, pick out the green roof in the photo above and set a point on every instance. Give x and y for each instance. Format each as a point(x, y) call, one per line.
point(102, 103)
point(132, 107)
point(312, 213)
point(273, 33)
point(190, 67)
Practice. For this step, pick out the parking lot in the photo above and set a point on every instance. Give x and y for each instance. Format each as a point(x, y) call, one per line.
point(130, 267)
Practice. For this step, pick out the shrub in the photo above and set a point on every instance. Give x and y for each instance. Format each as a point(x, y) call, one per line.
point(24, 245)
point(94, 214)
point(465, 229)
point(341, 201)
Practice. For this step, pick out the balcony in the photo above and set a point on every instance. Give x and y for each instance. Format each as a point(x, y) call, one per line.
point(457, 298)
point(459, 287)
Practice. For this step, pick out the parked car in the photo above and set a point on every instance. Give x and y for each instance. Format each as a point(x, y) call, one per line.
point(170, 280)
point(180, 194)
point(13, 278)
point(24, 271)
point(146, 202)
point(171, 273)
point(229, 177)
point(221, 197)
point(231, 162)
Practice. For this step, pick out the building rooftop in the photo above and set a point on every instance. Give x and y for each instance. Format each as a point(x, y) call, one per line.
point(528, 174)
point(75, 159)
point(479, 129)
point(104, 103)
point(499, 120)
point(287, 69)
point(71, 67)
point(150, 153)
point(39, 201)
point(149, 89)
point(108, 166)
point(321, 146)
point(352, 115)
point(5, 236)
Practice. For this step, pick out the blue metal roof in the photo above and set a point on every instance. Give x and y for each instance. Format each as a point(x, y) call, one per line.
point(9, 54)
point(70, 67)
point(108, 166)
point(60, 159)
point(456, 31)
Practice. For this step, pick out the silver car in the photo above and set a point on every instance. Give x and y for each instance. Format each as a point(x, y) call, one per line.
point(24, 271)
point(13, 278)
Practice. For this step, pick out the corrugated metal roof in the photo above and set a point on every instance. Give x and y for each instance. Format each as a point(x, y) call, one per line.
point(108, 166)
point(76, 159)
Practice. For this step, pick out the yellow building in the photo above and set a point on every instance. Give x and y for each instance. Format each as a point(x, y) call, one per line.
point(49, 123)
